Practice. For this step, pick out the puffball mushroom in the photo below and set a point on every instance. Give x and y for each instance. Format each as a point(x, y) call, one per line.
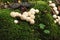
point(32, 16)
point(29, 13)
point(50, 1)
point(32, 12)
point(55, 21)
point(59, 17)
point(16, 21)
point(57, 12)
point(28, 16)
point(55, 8)
point(14, 14)
point(37, 11)
point(28, 19)
point(55, 16)
point(32, 9)
point(59, 23)
point(25, 13)
point(52, 5)
point(19, 15)
point(32, 21)
point(23, 17)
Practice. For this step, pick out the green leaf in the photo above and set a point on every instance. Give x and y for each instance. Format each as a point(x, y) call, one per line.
point(42, 26)
point(47, 31)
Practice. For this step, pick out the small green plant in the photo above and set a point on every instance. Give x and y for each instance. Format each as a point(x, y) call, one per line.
point(47, 31)
point(42, 26)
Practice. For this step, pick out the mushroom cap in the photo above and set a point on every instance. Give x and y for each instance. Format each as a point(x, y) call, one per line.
point(57, 12)
point(32, 16)
point(25, 13)
point(37, 11)
point(16, 21)
point(55, 21)
point(28, 19)
point(55, 16)
point(58, 17)
point(50, 1)
point(23, 17)
point(32, 21)
point(59, 23)
point(55, 8)
point(14, 14)
point(52, 5)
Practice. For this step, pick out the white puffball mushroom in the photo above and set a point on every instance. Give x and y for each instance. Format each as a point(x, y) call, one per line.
point(28, 19)
point(55, 8)
point(19, 15)
point(32, 12)
point(14, 14)
point(57, 12)
point(25, 13)
point(37, 11)
point(29, 13)
point(59, 17)
point(32, 21)
point(55, 16)
point(55, 21)
point(59, 23)
point(32, 9)
point(52, 5)
point(32, 16)
point(50, 1)
point(16, 21)
point(23, 17)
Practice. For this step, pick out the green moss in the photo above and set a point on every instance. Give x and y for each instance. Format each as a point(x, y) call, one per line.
point(24, 31)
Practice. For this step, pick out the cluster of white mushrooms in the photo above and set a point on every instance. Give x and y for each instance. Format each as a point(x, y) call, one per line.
point(28, 16)
point(55, 15)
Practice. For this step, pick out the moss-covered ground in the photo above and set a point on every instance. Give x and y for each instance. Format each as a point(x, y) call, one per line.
point(24, 31)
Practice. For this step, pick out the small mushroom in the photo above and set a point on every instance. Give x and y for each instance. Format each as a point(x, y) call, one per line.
point(52, 5)
point(58, 17)
point(50, 2)
point(16, 21)
point(37, 11)
point(28, 19)
point(14, 14)
point(55, 8)
point(25, 13)
point(54, 16)
point(32, 9)
point(55, 21)
point(32, 21)
point(57, 12)
point(32, 16)
point(23, 17)
point(29, 13)
point(32, 12)
point(19, 15)
point(59, 23)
